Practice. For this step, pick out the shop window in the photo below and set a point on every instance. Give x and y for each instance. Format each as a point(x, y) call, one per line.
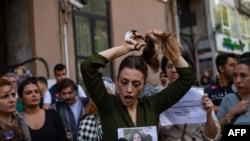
point(225, 21)
point(98, 7)
point(232, 21)
point(224, 18)
point(244, 26)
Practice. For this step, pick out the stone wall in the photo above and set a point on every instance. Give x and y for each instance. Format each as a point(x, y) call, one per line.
point(17, 28)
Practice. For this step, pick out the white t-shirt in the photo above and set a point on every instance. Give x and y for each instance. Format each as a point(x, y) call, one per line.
point(76, 110)
point(47, 98)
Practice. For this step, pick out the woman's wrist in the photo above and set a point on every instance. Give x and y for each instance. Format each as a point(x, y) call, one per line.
point(114, 52)
point(229, 116)
point(228, 119)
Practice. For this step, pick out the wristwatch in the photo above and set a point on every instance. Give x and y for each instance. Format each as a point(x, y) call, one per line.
point(228, 119)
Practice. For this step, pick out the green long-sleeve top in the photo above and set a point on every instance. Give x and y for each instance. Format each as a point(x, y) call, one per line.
point(114, 114)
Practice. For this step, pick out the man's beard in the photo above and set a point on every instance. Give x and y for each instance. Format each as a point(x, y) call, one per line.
point(229, 77)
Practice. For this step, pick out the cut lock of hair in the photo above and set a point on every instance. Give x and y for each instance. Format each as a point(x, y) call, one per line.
point(150, 55)
point(169, 46)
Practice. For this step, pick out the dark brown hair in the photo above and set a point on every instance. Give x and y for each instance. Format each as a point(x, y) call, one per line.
point(134, 62)
point(26, 82)
point(221, 59)
point(245, 61)
point(150, 55)
point(131, 138)
point(65, 83)
point(59, 67)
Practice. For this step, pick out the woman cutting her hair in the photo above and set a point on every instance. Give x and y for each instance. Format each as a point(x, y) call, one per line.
point(127, 110)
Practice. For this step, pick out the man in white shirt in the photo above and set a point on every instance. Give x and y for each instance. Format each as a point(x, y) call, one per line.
point(71, 107)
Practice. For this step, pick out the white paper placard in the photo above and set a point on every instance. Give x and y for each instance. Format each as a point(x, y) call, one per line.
point(187, 110)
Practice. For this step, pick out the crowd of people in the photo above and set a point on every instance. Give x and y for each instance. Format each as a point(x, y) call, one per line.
point(30, 111)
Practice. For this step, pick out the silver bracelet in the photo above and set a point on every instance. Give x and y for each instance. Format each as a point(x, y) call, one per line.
point(228, 119)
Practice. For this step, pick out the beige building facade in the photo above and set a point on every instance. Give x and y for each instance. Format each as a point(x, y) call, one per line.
point(41, 33)
point(46, 29)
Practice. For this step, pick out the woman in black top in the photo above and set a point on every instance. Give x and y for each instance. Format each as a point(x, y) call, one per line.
point(43, 124)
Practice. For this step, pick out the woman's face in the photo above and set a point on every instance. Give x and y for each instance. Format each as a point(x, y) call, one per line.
point(7, 100)
point(241, 78)
point(136, 137)
point(171, 72)
point(31, 95)
point(130, 84)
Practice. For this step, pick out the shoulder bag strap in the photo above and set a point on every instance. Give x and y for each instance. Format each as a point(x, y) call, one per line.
point(235, 117)
point(183, 132)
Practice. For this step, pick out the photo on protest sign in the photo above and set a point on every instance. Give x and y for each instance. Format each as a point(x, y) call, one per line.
point(148, 133)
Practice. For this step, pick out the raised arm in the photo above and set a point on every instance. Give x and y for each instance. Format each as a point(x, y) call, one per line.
point(211, 128)
point(180, 62)
point(131, 43)
point(169, 46)
point(89, 68)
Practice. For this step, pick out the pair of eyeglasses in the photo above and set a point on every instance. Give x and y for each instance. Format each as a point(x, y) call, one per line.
point(8, 135)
